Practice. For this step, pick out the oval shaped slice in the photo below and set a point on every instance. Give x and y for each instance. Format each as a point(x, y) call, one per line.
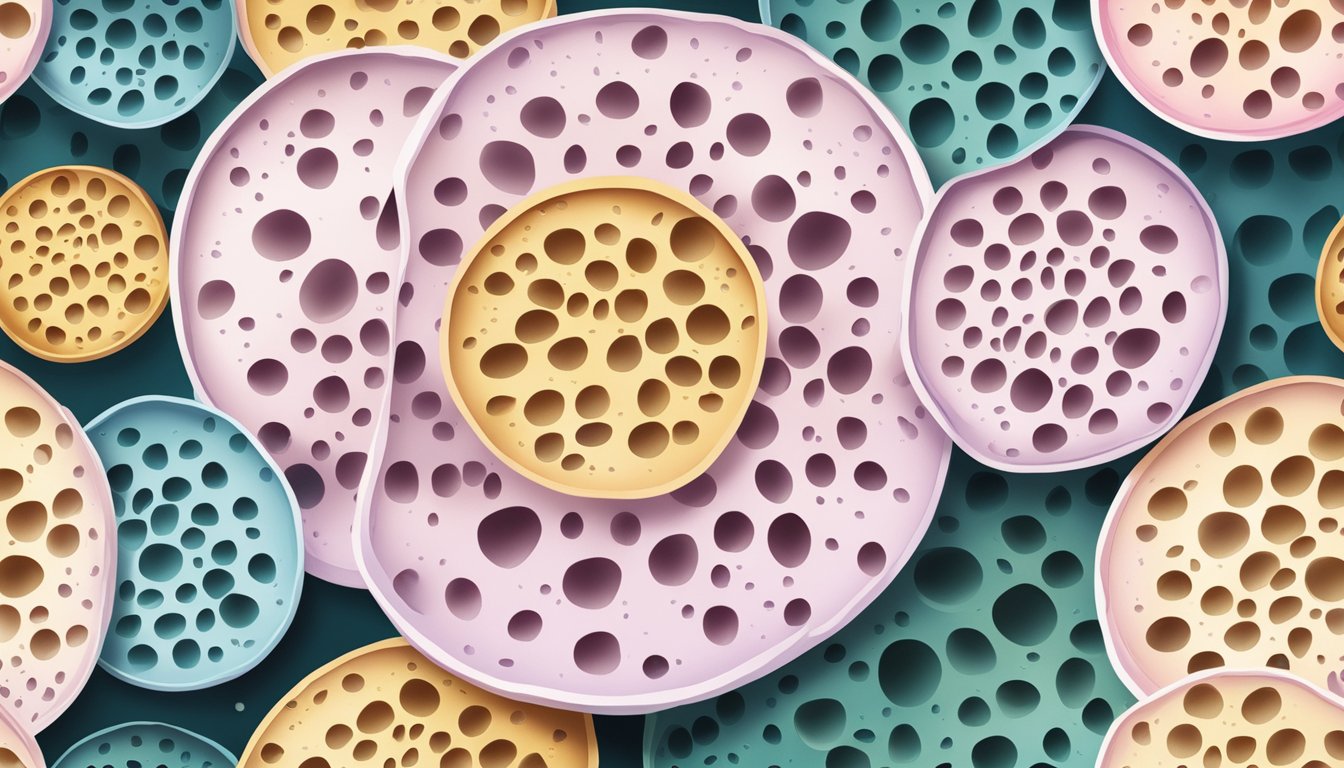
point(24, 25)
point(139, 744)
point(59, 560)
point(387, 702)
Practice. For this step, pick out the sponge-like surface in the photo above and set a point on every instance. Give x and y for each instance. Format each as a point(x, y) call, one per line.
point(24, 25)
point(608, 605)
point(18, 749)
point(1330, 286)
point(1049, 323)
point(284, 259)
point(134, 745)
point(59, 559)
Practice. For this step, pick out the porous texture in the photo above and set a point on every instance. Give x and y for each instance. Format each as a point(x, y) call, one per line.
point(58, 562)
point(285, 253)
point(1224, 545)
point(385, 704)
point(278, 34)
point(1226, 719)
point(606, 337)
point(976, 82)
point(24, 25)
point(209, 564)
point(984, 653)
point(1049, 323)
point(134, 745)
point(86, 271)
point(17, 747)
point(605, 605)
point(1229, 70)
point(135, 63)
point(1330, 286)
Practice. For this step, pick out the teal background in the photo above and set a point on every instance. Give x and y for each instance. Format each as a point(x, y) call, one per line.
point(1275, 203)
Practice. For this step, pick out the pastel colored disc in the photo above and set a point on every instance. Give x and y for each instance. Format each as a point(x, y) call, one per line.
point(1048, 324)
point(18, 749)
point(86, 267)
point(24, 25)
point(135, 63)
point(209, 564)
point(386, 702)
point(1330, 286)
point(139, 745)
point(284, 258)
point(615, 605)
point(1243, 71)
point(638, 293)
point(58, 562)
point(279, 34)
point(1223, 547)
point(1229, 718)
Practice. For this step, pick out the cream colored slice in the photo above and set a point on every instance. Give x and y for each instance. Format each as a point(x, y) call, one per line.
point(606, 337)
point(83, 263)
point(1225, 546)
point(1230, 719)
point(1330, 286)
point(385, 704)
point(277, 34)
point(17, 747)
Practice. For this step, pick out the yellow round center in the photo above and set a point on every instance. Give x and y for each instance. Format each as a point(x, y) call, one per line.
point(606, 337)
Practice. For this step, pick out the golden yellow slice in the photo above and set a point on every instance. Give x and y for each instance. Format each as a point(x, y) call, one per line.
point(606, 337)
point(83, 263)
point(1330, 286)
point(278, 33)
point(385, 704)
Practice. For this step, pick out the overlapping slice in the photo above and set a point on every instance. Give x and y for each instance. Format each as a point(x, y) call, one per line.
point(279, 34)
point(58, 562)
point(1263, 718)
point(385, 703)
point(24, 25)
point(133, 745)
point(1050, 322)
point(1330, 286)
point(18, 749)
point(1224, 547)
point(1229, 70)
point(285, 251)
point(610, 605)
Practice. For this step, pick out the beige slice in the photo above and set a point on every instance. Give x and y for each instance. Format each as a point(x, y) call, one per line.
point(606, 337)
point(1330, 286)
point(385, 704)
point(83, 263)
point(1230, 719)
point(1225, 546)
point(278, 33)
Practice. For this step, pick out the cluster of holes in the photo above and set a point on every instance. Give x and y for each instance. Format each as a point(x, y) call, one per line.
point(283, 37)
point(400, 717)
point(149, 744)
point(1194, 51)
point(643, 331)
point(199, 579)
point(1002, 77)
point(84, 265)
point(1075, 294)
point(1231, 721)
point(1255, 584)
point(130, 63)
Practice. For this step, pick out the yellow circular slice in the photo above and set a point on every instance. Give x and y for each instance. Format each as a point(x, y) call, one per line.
point(277, 34)
point(83, 263)
point(606, 337)
point(385, 704)
point(1330, 286)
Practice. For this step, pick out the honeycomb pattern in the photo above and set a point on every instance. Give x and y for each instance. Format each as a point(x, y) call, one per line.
point(1226, 719)
point(1047, 322)
point(24, 25)
point(1330, 286)
point(649, 364)
point(984, 653)
point(388, 705)
point(304, 225)
point(976, 82)
point(57, 562)
point(133, 745)
point(1246, 70)
point(209, 561)
point(87, 266)
point(812, 507)
point(1238, 564)
point(278, 34)
point(17, 747)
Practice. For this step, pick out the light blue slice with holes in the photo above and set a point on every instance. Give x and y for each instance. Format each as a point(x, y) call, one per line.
point(138, 745)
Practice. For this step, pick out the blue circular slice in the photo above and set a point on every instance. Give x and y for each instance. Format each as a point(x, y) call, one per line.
point(135, 63)
point(975, 82)
point(209, 562)
point(140, 745)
